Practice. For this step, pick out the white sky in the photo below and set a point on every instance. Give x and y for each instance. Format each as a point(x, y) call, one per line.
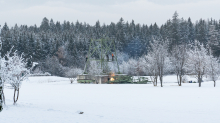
point(31, 12)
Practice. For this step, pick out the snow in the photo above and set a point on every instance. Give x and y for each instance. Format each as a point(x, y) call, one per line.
point(51, 99)
point(171, 78)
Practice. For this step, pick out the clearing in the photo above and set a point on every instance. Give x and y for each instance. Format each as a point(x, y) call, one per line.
point(55, 100)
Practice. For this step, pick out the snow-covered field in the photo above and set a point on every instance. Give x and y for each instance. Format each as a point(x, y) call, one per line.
point(55, 100)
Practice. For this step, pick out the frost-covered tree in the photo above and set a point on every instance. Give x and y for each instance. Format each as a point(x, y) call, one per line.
point(159, 51)
point(191, 28)
point(197, 64)
point(14, 71)
point(179, 58)
point(213, 35)
point(214, 40)
point(213, 68)
point(45, 24)
point(151, 66)
point(94, 68)
point(142, 66)
point(175, 31)
point(202, 32)
point(121, 56)
point(132, 67)
point(45, 40)
point(72, 73)
point(124, 67)
point(53, 66)
point(184, 32)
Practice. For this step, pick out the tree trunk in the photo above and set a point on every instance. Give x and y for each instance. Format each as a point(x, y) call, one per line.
point(180, 83)
point(1, 99)
point(14, 95)
point(199, 82)
point(199, 79)
point(214, 83)
point(161, 81)
point(177, 76)
point(3, 96)
point(155, 81)
point(16, 99)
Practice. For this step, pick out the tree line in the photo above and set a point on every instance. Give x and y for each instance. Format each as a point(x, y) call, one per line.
point(57, 47)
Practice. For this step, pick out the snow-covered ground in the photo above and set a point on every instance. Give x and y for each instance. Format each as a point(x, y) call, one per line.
point(55, 100)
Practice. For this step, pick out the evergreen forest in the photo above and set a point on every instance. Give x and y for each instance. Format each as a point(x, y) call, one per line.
point(56, 46)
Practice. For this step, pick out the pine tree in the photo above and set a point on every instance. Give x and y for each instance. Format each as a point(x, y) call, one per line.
point(191, 31)
point(5, 27)
point(202, 32)
point(155, 30)
point(31, 45)
point(52, 26)
point(175, 36)
point(120, 36)
point(70, 45)
point(45, 24)
point(184, 32)
point(6, 42)
point(58, 26)
point(38, 54)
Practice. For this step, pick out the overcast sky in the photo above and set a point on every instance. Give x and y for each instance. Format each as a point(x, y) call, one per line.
point(31, 12)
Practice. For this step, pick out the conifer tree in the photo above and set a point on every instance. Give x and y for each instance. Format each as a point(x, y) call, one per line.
point(175, 30)
point(44, 24)
point(191, 31)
